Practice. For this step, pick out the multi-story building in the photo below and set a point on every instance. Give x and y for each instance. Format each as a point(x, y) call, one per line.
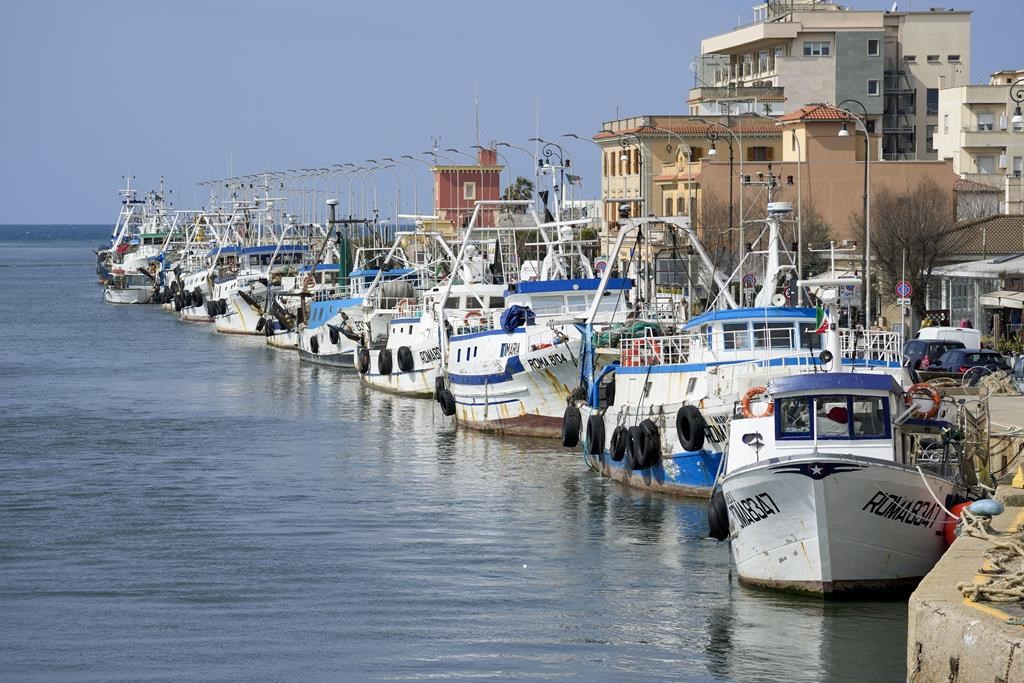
point(802, 51)
point(979, 129)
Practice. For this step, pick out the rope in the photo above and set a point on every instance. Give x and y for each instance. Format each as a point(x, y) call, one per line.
point(1006, 558)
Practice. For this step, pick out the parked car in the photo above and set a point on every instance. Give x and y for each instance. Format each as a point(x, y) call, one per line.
point(921, 353)
point(955, 362)
point(968, 336)
point(1018, 374)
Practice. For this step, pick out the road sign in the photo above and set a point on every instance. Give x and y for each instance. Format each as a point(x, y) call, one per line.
point(903, 289)
point(600, 265)
point(749, 280)
point(788, 291)
point(903, 302)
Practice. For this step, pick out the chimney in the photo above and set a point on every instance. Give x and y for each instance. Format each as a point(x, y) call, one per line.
point(487, 157)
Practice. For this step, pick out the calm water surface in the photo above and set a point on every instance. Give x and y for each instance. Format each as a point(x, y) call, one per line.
point(177, 504)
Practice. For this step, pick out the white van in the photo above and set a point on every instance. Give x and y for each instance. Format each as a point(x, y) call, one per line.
point(970, 338)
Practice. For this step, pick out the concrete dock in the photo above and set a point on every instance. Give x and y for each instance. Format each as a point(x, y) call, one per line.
point(952, 638)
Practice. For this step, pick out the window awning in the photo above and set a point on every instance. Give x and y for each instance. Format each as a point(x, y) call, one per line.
point(1003, 299)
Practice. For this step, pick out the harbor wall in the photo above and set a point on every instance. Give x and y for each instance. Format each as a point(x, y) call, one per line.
point(951, 638)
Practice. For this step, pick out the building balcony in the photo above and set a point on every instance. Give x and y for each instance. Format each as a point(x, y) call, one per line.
point(737, 92)
point(990, 138)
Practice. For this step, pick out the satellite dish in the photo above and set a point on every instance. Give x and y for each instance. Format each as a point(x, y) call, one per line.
point(778, 300)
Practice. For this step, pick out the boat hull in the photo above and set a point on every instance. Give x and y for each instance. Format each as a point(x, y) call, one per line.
point(288, 340)
point(829, 524)
point(127, 296)
point(690, 474)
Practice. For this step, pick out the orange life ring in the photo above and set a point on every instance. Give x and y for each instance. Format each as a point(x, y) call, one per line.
point(405, 307)
point(470, 315)
point(933, 394)
point(751, 394)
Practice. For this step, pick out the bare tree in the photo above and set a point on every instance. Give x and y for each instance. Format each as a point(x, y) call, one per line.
point(972, 205)
point(919, 224)
point(712, 227)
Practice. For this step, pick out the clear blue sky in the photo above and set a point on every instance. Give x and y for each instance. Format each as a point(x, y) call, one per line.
point(97, 89)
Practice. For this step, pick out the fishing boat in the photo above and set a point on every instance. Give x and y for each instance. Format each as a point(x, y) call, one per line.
point(130, 288)
point(838, 481)
point(658, 418)
point(516, 373)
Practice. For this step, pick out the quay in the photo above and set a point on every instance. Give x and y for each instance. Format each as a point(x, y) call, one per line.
point(952, 637)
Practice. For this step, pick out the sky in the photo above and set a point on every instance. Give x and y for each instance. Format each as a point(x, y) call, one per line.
point(195, 90)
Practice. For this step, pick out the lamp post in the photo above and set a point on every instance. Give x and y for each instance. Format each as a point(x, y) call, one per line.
point(549, 153)
point(415, 191)
point(398, 189)
point(433, 189)
point(862, 126)
point(712, 135)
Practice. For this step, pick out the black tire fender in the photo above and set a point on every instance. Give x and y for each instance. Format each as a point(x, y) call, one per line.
point(406, 362)
point(571, 422)
point(595, 434)
point(620, 439)
point(384, 364)
point(690, 426)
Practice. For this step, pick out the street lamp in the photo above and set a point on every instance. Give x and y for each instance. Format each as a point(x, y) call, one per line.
point(1017, 95)
point(415, 192)
point(861, 125)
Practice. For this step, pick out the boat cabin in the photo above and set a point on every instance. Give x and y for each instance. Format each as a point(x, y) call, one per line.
point(571, 297)
point(833, 413)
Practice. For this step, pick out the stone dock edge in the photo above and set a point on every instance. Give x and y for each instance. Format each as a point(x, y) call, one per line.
point(951, 638)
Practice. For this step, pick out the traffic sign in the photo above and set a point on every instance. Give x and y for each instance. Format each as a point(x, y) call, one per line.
point(902, 302)
point(789, 293)
point(903, 289)
point(749, 280)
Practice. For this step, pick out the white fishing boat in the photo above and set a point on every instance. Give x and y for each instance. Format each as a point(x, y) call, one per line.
point(516, 374)
point(836, 481)
point(129, 288)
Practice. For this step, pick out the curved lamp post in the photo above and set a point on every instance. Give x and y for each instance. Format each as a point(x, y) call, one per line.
point(1017, 95)
point(860, 121)
point(415, 191)
point(712, 134)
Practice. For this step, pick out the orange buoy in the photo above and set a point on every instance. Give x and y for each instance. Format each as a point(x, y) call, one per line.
point(949, 530)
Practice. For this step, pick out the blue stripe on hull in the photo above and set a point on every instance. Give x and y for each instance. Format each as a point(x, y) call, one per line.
point(687, 473)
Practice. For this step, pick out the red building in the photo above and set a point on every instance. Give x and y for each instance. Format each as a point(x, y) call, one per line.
point(458, 188)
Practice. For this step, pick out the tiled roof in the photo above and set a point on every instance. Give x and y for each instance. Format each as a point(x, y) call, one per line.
point(964, 185)
point(817, 112)
point(739, 125)
point(1002, 234)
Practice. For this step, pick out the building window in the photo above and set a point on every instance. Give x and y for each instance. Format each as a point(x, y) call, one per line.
point(929, 140)
point(986, 120)
point(945, 124)
point(873, 88)
point(870, 125)
point(873, 47)
point(953, 58)
point(469, 191)
point(986, 164)
point(668, 206)
point(778, 52)
point(1018, 166)
point(932, 95)
point(820, 48)
point(910, 58)
point(679, 204)
point(933, 59)
point(759, 154)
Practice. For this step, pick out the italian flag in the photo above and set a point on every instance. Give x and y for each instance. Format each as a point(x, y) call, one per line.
point(820, 320)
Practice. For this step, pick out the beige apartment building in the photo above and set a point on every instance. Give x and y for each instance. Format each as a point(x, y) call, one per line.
point(981, 129)
point(797, 52)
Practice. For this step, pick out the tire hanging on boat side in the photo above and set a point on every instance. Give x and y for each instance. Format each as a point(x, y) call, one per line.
point(620, 438)
point(197, 296)
point(314, 345)
point(595, 434)
point(447, 401)
point(363, 360)
point(718, 515)
point(635, 448)
point(384, 361)
point(334, 334)
point(261, 324)
point(406, 362)
point(690, 426)
point(651, 453)
point(571, 421)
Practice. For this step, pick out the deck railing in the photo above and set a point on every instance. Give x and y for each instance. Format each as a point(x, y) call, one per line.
point(876, 345)
point(650, 350)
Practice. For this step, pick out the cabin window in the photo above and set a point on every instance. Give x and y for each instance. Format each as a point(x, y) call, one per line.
point(497, 302)
point(577, 303)
point(458, 356)
point(546, 305)
point(869, 417)
point(735, 336)
point(809, 339)
point(794, 418)
point(832, 416)
point(773, 335)
point(452, 302)
point(691, 384)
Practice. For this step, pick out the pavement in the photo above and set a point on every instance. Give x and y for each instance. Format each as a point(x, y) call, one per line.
point(952, 638)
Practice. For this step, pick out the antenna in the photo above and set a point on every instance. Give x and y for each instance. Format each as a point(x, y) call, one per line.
point(476, 108)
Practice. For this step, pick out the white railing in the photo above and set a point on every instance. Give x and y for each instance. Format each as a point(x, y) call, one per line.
point(637, 352)
point(875, 345)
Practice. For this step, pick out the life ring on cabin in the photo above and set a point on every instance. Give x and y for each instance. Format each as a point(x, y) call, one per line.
point(467, 320)
point(751, 394)
point(405, 307)
point(641, 352)
point(308, 282)
point(933, 394)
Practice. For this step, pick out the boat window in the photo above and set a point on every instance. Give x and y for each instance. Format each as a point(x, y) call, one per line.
point(794, 419)
point(690, 385)
point(773, 335)
point(458, 356)
point(869, 417)
point(809, 339)
point(452, 302)
point(577, 302)
point(497, 302)
point(832, 415)
point(735, 336)
point(547, 305)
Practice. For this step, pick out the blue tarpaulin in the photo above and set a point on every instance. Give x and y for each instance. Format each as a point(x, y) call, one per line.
point(516, 316)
